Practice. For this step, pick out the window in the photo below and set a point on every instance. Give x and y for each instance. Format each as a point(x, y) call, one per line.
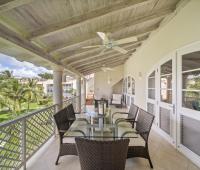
point(166, 82)
point(191, 81)
point(133, 86)
point(151, 86)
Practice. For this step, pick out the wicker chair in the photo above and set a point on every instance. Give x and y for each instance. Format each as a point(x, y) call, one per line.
point(102, 155)
point(132, 114)
point(140, 144)
point(71, 114)
point(63, 124)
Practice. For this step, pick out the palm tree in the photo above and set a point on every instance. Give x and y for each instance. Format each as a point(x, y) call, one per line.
point(6, 74)
point(31, 92)
point(11, 92)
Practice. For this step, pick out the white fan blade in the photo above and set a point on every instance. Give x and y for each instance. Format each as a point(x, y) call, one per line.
point(119, 49)
point(103, 36)
point(103, 69)
point(92, 46)
point(102, 52)
point(125, 40)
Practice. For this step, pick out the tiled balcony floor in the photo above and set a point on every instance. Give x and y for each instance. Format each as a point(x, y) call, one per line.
point(163, 155)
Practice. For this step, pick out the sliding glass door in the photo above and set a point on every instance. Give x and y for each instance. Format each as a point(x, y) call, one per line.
point(167, 97)
point(161, 96)
point(189, 101)
point(151, 94)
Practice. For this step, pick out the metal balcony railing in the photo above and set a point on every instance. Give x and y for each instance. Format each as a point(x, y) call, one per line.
point(22, 137)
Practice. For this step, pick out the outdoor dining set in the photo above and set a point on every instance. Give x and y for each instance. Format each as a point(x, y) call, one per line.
point(103, 140)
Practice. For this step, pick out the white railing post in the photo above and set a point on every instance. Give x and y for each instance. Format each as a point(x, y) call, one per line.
point(84, 94)
point(24, 143)
point(54, 126)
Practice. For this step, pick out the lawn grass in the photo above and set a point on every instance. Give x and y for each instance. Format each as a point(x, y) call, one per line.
point(6, 115)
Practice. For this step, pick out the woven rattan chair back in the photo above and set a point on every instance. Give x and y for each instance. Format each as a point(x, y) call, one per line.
point(61, 119)
point(102, 155)
point(71, 112)
point(144, 123)
point(133, 112)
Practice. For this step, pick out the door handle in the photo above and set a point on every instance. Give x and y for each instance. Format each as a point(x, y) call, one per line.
point(173, 108)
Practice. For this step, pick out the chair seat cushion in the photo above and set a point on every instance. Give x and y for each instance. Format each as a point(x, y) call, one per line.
point(70, 137)
point(82, 115)
point(118, 115)
point(116, 98)
point(78, 122)
point(139, 141)
point(135, 139)
point(116, 101)
point(124, 124)
point(77, 129)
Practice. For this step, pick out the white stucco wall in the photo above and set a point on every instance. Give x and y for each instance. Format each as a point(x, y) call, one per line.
point(182, 30)
point(101, 86)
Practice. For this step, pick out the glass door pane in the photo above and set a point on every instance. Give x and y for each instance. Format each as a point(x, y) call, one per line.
point(191, 81)
point(151, 86)
point(166, 82)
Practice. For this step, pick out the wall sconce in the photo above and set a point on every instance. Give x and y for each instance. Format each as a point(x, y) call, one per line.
point(109, 80)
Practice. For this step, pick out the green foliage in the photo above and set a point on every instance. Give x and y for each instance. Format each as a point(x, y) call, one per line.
point(31, 92)
point(11, 94)
point(46, 76)
point(6, 74)
point(196, 85)
point(43, 101)
point(15, 96)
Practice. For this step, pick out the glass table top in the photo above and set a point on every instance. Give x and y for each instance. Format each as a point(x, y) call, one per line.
point(100, 131)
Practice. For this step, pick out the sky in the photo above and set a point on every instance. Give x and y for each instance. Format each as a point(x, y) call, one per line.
point(20, 69)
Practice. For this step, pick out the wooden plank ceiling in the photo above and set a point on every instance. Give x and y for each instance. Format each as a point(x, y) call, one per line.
point(56, 30)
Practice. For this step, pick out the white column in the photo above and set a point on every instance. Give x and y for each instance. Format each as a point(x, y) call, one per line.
point(78, 93)
point(57, 87)
point(84, 93)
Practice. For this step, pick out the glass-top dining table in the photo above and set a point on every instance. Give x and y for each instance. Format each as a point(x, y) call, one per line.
point(99, 127)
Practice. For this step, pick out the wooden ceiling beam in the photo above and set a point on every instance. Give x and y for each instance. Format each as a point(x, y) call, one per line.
point(14, 38)
point(87, 17)
point(104, 58)
point(98, 68)
point(6, 5)
point(105, 62)
point(114, 57)
point(142, 35)
point(115, 27)
point(95, 55)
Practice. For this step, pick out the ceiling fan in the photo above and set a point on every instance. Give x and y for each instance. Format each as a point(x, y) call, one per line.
point(111, 44)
